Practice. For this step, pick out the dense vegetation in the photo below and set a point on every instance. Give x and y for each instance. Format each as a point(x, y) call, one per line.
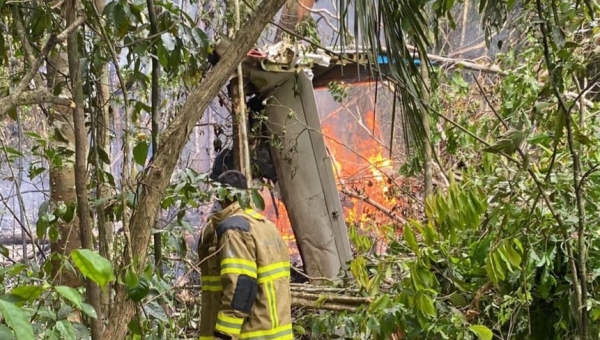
point(508, 247)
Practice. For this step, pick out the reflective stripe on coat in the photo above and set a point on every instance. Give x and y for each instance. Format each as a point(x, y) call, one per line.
point(259, 255)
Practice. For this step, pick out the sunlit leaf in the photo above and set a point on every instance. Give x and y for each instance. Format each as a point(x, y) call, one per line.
point(168, 41)
point(28, 292)
point(93, 266)
point(482, 332)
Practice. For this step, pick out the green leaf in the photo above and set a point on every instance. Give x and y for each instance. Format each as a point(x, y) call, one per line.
point(258, 200)
point(66, 330)
point(89, 310)
point(29, 292)
point(134, 327)
point(12, 151)
point(17, 320)
point(156, 311)
point(69, 213)
point(424, 303)
point(222, 193)
point(512, 255)
point(6, 333)
point(4, 251)
point(380, 303)
point(299, 330)
point(103, 155)
point(93, 266)
point(168, 41)
point(14, 270)
point(70, 294)
point(411, 240)
point(482, 332)
point(131, 280)
point(163, 56)
point(120, 19)
point(138, 292)
point(140, 153)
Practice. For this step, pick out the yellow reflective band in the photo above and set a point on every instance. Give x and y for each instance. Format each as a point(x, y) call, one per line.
point(211, 284)
point(270, 290)
point(206, 338)
point(280, 333)
point(238, 266)
point(274, 266)
point(253, 213)
point(273, 271)
point(210, 279)
point(237, 260)
point(228, 324)
point(206, 288)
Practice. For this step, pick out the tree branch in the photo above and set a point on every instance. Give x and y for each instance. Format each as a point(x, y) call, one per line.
point(53, 40)
point(581, 290)
point(20, 28)
point(37, 96)
point(156, 179)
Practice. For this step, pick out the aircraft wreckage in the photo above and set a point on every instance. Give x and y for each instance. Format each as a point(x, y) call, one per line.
point(283, 77)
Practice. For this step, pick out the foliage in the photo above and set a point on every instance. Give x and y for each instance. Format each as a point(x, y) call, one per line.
point(33, 308)
point(503, 248)
point(500, 252)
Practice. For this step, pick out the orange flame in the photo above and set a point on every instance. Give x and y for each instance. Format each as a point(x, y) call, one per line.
point(361, 169)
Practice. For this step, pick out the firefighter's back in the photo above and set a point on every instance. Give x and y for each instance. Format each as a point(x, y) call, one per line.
point(271, 315)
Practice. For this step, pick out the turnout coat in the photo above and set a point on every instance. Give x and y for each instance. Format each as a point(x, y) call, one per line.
point(245, 277)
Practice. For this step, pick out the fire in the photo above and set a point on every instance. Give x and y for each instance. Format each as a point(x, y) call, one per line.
point(365, 176)
point(282, 221)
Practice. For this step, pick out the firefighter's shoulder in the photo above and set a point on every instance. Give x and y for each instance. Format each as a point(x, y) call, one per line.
point(254, 214)
point(232, 223)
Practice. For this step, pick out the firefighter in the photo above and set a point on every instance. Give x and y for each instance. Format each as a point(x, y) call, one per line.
point(245, 273)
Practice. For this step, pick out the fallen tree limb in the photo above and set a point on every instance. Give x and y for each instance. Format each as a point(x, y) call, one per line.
point(375, 204)
point(331, 298)
point(302, 287)
point(308, 304)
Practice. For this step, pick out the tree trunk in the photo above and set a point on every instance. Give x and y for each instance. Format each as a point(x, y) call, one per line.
point(62, 173)
point(102, 144)
point(156, 179)
point(81, 150)
point(239, 127)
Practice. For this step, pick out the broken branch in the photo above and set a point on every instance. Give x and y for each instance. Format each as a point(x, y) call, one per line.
point(308, 304)
point(330, 298)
